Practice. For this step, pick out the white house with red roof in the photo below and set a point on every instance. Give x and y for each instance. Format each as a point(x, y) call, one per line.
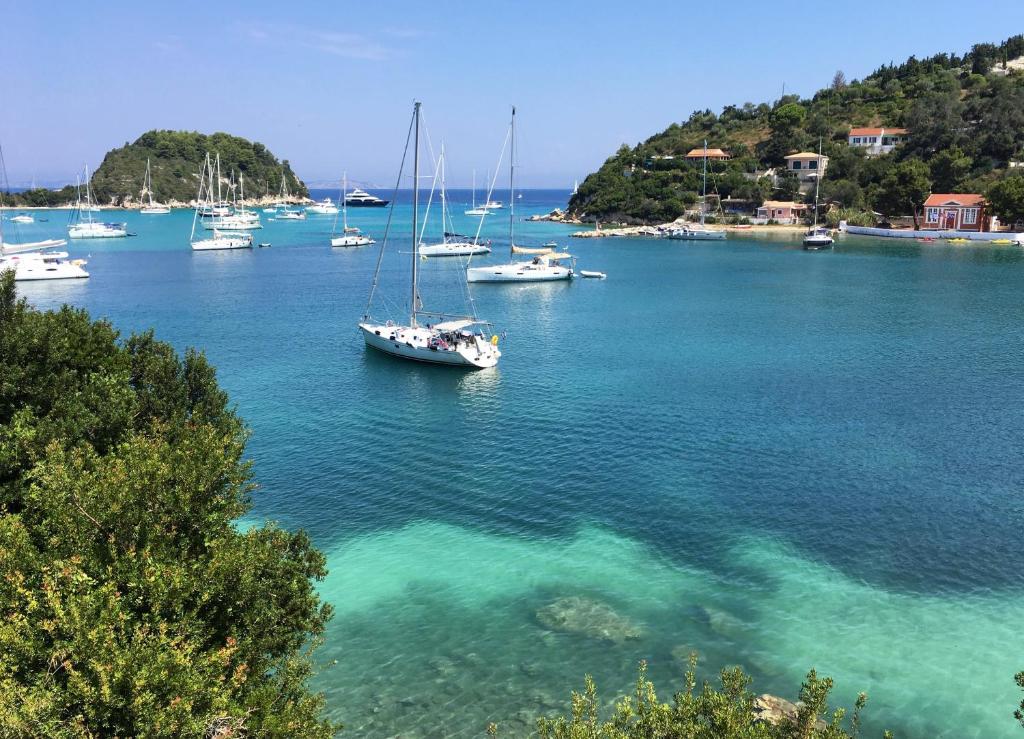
point(877, 141)
point(954, 212)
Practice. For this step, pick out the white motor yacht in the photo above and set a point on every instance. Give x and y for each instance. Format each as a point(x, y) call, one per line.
point(325, 207)
point(44, 265)
point(291, 215)
point(362, 199)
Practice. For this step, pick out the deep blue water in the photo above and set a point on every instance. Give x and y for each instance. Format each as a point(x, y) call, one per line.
point(779, 458)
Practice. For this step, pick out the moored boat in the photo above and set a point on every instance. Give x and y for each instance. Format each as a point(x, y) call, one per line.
point(454, 341)
point(362, 199)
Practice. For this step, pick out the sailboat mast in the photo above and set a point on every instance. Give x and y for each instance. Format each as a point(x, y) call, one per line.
point(474, 189)
point(704, 199)
point(415, 212)
point(817, 181)
point(344, 201)
point(512, 187)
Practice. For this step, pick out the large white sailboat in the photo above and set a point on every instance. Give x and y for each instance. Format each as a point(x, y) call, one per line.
point(451, 340)
point(152, 208)
point(83, 226)
point(350, 235)
point(817, 238)
point(701, 232)
point(221, 240)
point(451, 244)
point(545, 264)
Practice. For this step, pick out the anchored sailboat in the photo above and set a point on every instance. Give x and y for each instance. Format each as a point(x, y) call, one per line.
point(450, 341)
point(84, 227)
point(817, 238)
point(452, 244)
point(153, 209)
point(349, 236)
point(221, 240)
point(546, 264)
point(699, 233)
point(475, 211)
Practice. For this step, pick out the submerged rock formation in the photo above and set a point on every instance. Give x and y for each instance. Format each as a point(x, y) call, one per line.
point(578, 615)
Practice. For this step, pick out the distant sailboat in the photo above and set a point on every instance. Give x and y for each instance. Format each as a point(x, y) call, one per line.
point(349, 236)
point(474, 211)
point(221, 240)
point(84, 227)
point(450, 341)
point(545, 264)
point(153, 209)
point(452, 245)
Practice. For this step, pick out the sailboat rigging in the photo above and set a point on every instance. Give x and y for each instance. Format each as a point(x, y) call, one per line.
point(450, 341)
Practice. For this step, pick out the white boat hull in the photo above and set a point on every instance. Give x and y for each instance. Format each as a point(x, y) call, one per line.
point(97, 231)
point(23, 219)
point(519, 272)
point(223, 224)
point(817, 242)
point(35, 266)
point(221, 242)
point(415, 344)
point(155, 211)
point(477, 212)
point(454, 249)
point(688, 235)
point(321, 210)
point(351, 241)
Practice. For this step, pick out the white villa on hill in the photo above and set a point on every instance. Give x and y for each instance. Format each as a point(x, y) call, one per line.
point(877, 141)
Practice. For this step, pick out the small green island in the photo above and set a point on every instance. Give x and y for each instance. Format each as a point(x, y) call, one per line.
point(176, 158)
point(944, 124)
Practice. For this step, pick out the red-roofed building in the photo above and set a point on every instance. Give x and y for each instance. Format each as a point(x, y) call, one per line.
point(877, 140)
point(716, 155)
point(952, 212)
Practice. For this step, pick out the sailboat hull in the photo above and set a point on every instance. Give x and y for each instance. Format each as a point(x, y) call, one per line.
point(453, 249)
point(519, 272)
point(415, 343)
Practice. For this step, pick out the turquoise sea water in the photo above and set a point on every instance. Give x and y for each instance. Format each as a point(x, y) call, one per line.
point(777, 458)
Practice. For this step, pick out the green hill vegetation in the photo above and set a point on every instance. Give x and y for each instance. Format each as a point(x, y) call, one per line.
point(176, 158)
point(964, 114)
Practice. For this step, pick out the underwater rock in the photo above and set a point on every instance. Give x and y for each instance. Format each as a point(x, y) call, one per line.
point(591, 618)
point(530, 669)
point(719, 621)
point(772, 709)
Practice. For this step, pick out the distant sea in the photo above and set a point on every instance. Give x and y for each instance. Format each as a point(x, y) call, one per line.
point(776, 458)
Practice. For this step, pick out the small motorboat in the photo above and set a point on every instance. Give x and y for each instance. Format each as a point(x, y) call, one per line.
point(593, 275)
point(264, 245)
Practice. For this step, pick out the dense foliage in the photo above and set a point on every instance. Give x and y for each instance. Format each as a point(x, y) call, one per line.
point(130, 602)
point(965, 116)
point(712, 713)
point(176, 158)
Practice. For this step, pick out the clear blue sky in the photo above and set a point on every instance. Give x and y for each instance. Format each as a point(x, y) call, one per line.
point(330, 85)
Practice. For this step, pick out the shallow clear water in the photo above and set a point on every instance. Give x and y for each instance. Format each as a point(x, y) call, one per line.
point(778, 458)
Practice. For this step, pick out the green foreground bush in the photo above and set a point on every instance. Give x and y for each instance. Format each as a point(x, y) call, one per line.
point(130, 603)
